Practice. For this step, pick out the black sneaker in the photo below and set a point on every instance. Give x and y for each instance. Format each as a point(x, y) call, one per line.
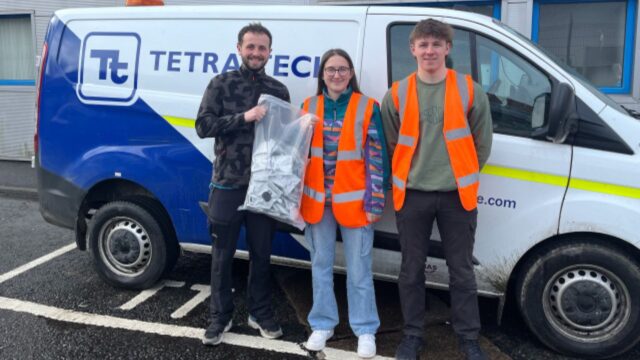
point(214, 333)
point(268, 328)
point(471, 349)
point(410, 348)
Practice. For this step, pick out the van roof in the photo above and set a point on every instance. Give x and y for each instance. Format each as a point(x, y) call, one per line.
point(209, 11)
point(266, 12)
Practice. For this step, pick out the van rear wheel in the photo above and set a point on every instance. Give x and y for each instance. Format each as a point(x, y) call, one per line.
point(129, 246)
point(581, 299)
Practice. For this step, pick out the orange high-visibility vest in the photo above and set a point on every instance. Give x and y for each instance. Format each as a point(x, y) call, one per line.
point(349, 185)
point(458, 99)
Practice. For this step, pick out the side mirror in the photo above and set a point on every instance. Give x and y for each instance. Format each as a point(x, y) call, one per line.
point(540, 106)
point(539, 116)
point(562, 114)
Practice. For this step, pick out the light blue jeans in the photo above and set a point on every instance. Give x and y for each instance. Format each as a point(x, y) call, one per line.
point(357, 243)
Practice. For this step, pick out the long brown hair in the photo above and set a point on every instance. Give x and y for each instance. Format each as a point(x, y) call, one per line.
point(323, 61)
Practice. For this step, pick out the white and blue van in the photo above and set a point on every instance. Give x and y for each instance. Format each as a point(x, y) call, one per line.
point(119, 161)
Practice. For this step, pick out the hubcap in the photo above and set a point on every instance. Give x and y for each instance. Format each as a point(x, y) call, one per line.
point(125, 246)
point(586, 303)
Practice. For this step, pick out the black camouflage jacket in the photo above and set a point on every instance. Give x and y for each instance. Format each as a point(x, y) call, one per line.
point(221, 116)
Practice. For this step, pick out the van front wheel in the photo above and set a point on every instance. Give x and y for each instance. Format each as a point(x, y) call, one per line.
point(581, 299)
point(129, 247)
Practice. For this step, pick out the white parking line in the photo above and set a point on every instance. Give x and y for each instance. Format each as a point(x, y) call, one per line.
point(50, 312)
point(203, 293)
point(41, 260)
point(230, 338)
point(146, 294)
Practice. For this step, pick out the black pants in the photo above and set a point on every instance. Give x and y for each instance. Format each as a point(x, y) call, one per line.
point(457, 229)
point(225, 222)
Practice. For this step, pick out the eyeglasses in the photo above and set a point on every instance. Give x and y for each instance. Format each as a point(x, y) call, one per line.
point(331, 71)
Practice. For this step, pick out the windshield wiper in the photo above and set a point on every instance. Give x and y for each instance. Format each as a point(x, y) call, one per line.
point(632, 112)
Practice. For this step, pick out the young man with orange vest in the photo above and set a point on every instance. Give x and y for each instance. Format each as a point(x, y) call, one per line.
point(437, 124)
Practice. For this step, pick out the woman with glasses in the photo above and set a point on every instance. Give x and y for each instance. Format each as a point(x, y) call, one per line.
point(343, 188)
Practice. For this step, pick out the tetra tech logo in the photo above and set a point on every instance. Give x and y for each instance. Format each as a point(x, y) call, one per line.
point(109, 68)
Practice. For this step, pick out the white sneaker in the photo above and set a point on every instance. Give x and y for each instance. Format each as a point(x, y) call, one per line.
point(367, 346)
point(318, 339)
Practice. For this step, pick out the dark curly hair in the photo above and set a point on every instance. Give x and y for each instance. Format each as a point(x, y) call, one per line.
point(256, 28)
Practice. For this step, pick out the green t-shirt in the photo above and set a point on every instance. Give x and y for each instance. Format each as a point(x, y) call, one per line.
point(430, 166)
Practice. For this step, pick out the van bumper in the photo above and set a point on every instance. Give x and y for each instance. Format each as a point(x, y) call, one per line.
point(59, 198)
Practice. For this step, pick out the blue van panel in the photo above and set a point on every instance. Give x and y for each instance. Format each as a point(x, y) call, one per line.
point(87, 144)
point(134, 141)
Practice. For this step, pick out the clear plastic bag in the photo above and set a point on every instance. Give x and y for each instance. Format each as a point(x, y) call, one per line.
point(279, 160)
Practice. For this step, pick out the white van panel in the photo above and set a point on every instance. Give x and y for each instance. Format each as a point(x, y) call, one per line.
point(530, 202)
point(374, 56)
point(171, 80)
point(300, 12)
point(156, 73)
point(591, 207)
point(625, 126)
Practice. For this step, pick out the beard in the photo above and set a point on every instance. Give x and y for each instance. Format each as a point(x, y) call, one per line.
point(246, 61)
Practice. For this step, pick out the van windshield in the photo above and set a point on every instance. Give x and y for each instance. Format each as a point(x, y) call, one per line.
point(607, 100)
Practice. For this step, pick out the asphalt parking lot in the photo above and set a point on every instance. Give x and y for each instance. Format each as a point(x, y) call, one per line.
point(57, 307)
point(54, 305)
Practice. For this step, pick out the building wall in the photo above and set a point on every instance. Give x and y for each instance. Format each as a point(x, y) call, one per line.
point(17, 119)
point(633, 101)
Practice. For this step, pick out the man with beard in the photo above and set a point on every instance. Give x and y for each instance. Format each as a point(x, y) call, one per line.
point(228, 113)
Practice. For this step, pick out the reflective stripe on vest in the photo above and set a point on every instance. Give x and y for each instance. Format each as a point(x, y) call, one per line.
point(456, 133)
point(464, 93)
point(313, 195)
point(399, 183)
point(468, 179)
point(315, 152)
point(349, 181)
point(316, 195)
point(348, 196)
point(406, 140)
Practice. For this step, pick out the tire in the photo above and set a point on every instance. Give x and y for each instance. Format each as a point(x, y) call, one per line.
point(580, 298)
point(130, 248)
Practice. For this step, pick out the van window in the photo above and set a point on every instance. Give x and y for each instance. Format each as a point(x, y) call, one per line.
point(512, 84)
point(460, 55)
point(402, 62)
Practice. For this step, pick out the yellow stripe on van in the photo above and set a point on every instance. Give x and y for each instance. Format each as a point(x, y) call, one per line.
point(525, 175)
point(578, 184)
point(178, 121)
point(599, 187)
